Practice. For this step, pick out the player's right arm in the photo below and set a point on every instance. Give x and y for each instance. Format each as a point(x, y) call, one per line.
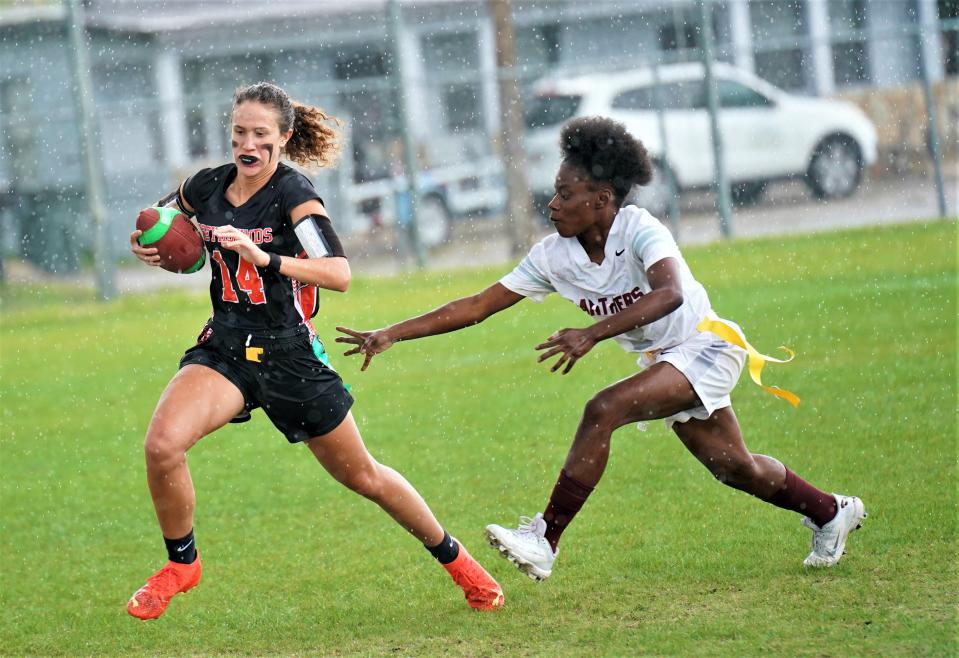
point(453, 315)
point(149, 255)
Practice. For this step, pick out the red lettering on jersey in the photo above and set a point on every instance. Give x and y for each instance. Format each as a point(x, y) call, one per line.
point(256, 235)
point(249, 281)
point(228, 294)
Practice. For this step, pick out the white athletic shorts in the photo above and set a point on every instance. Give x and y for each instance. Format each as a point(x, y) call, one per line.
point(712, 367)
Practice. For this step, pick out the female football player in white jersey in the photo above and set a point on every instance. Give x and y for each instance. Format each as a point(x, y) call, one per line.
point(622, 267)
point(271, 247)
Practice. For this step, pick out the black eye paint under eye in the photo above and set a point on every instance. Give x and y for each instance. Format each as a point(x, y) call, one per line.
point(269, 149)
point(235, 143)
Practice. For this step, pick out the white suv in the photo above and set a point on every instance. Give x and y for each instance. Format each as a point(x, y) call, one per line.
point(767, 133)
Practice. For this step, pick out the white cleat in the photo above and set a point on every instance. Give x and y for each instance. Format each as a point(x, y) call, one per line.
point(526, 547)
point(829, 542)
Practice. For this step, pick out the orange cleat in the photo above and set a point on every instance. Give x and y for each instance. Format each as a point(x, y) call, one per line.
point(151, 600)
point(481, 590)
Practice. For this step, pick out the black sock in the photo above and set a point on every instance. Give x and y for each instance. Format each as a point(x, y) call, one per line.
point(181, 550)
point(446, 551)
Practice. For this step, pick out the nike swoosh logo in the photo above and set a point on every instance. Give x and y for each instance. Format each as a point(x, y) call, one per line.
point(620, 252)
point(180, 549)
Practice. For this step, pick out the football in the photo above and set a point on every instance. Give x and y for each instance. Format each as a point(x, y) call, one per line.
point(177, 240)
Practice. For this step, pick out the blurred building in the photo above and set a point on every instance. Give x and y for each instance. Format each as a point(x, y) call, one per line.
point(164, 72)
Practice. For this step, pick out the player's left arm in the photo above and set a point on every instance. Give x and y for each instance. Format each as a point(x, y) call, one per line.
point(665, 296)
point(325, 267)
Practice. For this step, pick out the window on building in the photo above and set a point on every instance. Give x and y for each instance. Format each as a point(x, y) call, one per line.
point(780, 40)
point(124, 117)
point(784, 68)
point(848, 15)
point(848, 21)
point(949, 11)
point(370, 103)
point(454, 59)
point(680, 29)
point(777, 18)
point(361, 64)
point(539, 44)
point(18, 144)
point(451, 51)
point(679, 37)
point(462, 107)
point(196, 131)
point(850, 62)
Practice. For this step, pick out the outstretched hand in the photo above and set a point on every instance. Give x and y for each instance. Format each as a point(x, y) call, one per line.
point(570, 344)
point(370, 343)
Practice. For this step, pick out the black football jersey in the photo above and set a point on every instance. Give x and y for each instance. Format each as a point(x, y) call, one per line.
point(245, 296)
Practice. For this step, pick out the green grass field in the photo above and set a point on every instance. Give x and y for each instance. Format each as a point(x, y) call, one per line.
point(662, 560)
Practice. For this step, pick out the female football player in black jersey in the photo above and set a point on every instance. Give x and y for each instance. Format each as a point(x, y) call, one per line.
point(271, 246)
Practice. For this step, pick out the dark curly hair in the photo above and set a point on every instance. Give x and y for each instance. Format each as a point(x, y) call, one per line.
point(313, 141)
point(605, 151)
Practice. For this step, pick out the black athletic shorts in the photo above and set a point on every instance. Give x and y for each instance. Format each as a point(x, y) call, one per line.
point(287, 373)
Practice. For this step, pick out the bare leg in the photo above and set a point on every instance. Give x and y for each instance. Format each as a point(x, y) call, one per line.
point(345, 457)
point(717, 442)
point(197, 401)
point(657, 392)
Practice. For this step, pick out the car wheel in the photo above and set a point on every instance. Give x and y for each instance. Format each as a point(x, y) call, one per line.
point(654, 197)
point(835, 169)
point(432, 221)
point(747, 194)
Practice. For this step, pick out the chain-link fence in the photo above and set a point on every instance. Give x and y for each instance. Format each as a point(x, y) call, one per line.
point(812, 102)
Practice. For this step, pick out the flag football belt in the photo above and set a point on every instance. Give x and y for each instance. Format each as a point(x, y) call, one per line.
point(256, 344)
point(755, 359)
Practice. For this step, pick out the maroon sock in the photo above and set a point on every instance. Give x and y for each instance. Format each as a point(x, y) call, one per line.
point(566, 500)
point(800, 496)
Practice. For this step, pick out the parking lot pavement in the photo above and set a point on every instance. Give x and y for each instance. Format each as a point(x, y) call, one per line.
point(786, 209)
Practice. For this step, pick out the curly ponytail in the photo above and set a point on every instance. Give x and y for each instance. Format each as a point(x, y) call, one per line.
point(313, 141)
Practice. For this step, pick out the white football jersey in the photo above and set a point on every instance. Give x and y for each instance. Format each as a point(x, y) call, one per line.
point(636, 241)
